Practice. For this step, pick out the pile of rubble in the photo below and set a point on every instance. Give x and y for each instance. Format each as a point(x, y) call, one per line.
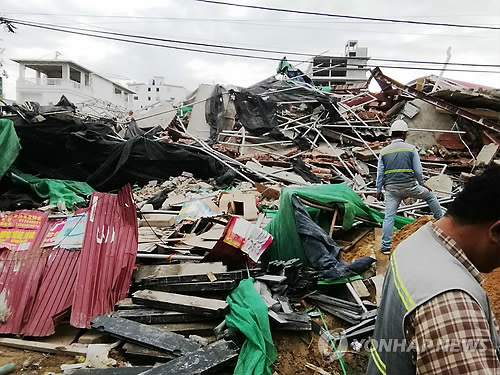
point(240, 218)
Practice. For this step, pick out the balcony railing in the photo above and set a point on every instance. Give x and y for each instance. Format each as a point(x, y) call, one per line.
point(52, 82)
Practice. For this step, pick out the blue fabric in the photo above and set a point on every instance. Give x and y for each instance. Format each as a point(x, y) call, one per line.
point(394, 194)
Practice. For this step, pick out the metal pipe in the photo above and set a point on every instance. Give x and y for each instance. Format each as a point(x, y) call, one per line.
point(387, 128)
point(169, 257)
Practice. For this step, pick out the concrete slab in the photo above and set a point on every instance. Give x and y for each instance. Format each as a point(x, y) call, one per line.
point(487, 154)
point(143, 334)
point(181, 303)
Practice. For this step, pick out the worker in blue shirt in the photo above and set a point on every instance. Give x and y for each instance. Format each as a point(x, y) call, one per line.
point(400, 173)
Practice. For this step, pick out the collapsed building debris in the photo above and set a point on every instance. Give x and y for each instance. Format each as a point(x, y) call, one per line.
point(251, 215)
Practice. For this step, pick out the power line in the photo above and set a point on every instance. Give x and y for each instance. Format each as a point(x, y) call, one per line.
point(255, 49)
point(70, 31)
point(411, 22)
point(266, 23)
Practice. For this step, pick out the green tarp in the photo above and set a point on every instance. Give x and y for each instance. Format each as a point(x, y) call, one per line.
point(9, 145)
point(248, 314)
point(71, 192)
point(287, 243)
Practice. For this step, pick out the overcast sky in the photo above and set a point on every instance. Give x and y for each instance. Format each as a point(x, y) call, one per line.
point(193, 21)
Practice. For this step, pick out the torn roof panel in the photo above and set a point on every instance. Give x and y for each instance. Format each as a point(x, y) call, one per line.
point(55, 292)
point(107, 257)
point(21, 266)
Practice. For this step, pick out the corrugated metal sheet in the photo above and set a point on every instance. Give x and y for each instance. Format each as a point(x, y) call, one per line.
point(55, 292)
point(107, 257)
point(20, 273)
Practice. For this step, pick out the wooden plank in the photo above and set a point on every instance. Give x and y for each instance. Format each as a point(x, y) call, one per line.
point(181, 303)
point(158, 316)
point(142, 355)
point(113, 371)
point(145, 271)
point(360, 288)
point(334, 219)
point(201, 277)
point(196, 287)
point(36, 346)
point(317, 370)
point(378, 281)
point(143, 334)
point(93, 337)
point(186, 329)
point(200, 362)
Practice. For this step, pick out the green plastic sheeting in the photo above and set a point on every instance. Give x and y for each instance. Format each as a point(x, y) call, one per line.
point(71, 192)
point(287, 243)
point(9, 145)
point(248, 314)
point(284, 64)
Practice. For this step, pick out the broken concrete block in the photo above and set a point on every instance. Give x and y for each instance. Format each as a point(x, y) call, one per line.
point(238, 203)
point(143, 334)
point(441, 185)
point(203, 361)
point(487, 154)
point(181, 303)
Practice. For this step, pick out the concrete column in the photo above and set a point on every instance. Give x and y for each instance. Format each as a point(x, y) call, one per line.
point(22, 71)
point(65, 72)
point(82, 79)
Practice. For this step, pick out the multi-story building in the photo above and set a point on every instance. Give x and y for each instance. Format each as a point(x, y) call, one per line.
point(342, 70)
point(156, 90)
point(44, 81)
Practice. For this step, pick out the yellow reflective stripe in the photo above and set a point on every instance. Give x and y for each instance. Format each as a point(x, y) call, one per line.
point(376, 359)
point(400, 286)
point(396, 150)
point(398, 289)
point(397, 171)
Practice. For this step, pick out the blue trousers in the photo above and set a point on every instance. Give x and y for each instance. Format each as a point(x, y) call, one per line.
point(394, 194)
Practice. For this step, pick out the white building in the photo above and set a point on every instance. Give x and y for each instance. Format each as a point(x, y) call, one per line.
point(44, 81)
point(352, 67)
point(156, 90)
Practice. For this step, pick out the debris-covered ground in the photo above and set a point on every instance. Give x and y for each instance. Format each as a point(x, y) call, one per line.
point(172, 238)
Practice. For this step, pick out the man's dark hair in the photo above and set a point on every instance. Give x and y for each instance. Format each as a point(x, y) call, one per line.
point(398, 134)
point(479, 201)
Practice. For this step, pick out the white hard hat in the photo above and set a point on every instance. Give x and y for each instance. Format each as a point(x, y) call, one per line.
point(399, 126)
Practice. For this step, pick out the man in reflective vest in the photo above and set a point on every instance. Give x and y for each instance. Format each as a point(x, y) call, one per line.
point(400, 172)
point(434, 317)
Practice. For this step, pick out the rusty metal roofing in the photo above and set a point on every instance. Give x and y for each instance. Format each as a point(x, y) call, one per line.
point(107, 257)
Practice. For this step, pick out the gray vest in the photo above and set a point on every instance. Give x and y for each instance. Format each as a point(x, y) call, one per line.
point(398, 163)
point(411, 280)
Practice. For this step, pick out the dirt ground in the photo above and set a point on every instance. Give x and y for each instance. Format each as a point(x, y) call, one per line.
point(492, 286)
point(28, 362)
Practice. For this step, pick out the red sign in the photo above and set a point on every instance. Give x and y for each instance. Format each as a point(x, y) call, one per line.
point(19, 230)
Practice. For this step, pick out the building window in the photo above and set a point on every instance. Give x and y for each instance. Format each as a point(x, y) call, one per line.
point(157, 89)
point(149, 88)
point(141, 106)
point(136, 97)
point(149, 98)
point(118, 91)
